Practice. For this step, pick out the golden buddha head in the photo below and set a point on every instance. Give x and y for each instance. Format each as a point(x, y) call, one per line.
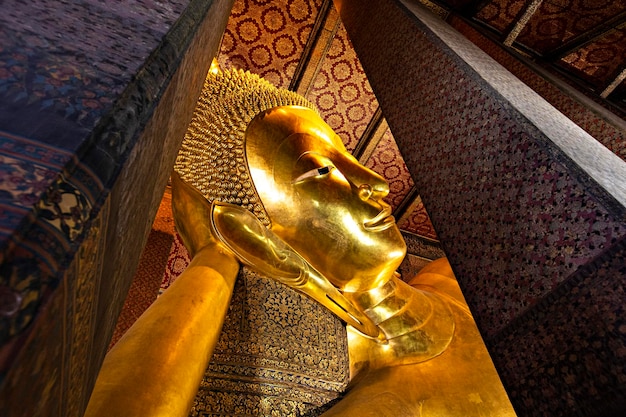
point(321, 200)
point(267, 150)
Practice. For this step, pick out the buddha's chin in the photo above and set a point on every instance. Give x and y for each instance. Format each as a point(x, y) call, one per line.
point(364, 279)
point(377, 268)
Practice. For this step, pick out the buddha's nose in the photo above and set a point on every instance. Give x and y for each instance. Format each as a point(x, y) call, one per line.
point(369, 184)
point(375, 190)
point(365, 191)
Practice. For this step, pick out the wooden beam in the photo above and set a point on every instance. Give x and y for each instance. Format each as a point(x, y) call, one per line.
point(613, 85)
point(369, 133)
point(311, 44)
point(529, 11)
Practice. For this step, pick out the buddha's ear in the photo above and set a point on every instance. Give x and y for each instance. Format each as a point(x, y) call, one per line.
point(255, 245)
point(263, 251)
point(192, 215)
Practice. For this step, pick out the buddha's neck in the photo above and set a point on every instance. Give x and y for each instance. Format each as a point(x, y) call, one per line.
point(418, 324)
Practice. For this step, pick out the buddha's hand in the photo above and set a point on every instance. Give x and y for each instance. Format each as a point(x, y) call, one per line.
point(192, 216)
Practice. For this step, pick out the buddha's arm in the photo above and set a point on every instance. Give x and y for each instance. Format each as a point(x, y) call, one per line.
point(156, 368)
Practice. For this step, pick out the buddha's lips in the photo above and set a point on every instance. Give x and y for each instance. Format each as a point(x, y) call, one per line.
point(382, 221)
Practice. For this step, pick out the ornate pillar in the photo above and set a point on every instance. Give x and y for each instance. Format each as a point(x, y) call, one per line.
point(94, 103)
point(530, 209)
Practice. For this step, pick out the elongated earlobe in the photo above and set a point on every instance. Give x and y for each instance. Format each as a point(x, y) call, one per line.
point(255, 245)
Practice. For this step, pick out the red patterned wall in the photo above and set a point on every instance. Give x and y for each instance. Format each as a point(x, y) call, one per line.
point(342, 93)
point(387, 161)
point(267, 37)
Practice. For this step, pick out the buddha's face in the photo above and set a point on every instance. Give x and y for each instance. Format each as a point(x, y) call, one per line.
point(321, 200)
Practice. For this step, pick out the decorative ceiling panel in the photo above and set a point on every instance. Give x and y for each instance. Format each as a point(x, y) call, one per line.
point(557, 21)
point(600, 61)
point(500, 14)
point(342, 93)
point(580, 41)
point(267, 37)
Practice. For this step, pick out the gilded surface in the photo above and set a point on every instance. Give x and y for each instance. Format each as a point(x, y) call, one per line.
point(323, 211)
point(279, 193)
point(211, 158)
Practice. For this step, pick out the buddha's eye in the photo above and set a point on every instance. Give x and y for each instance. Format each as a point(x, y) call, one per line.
point(316, 172)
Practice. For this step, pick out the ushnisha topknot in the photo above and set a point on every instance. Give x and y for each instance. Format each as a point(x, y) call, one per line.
point(212, 156)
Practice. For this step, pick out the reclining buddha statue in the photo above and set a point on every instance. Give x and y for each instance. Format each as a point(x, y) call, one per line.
point(261, 180)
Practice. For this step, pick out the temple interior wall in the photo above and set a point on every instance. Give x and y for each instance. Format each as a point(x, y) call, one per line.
point(535, 237)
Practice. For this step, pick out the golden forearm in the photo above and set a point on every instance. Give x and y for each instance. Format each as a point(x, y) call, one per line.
point(156, 368)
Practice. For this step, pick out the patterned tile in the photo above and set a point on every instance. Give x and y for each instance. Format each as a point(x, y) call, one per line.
point(53, 91)
point(342, 93)
point(578, 337)
point(43, 68)
point(387, 161)
point(267, 37)
point(27, 169)
point(609, 134)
